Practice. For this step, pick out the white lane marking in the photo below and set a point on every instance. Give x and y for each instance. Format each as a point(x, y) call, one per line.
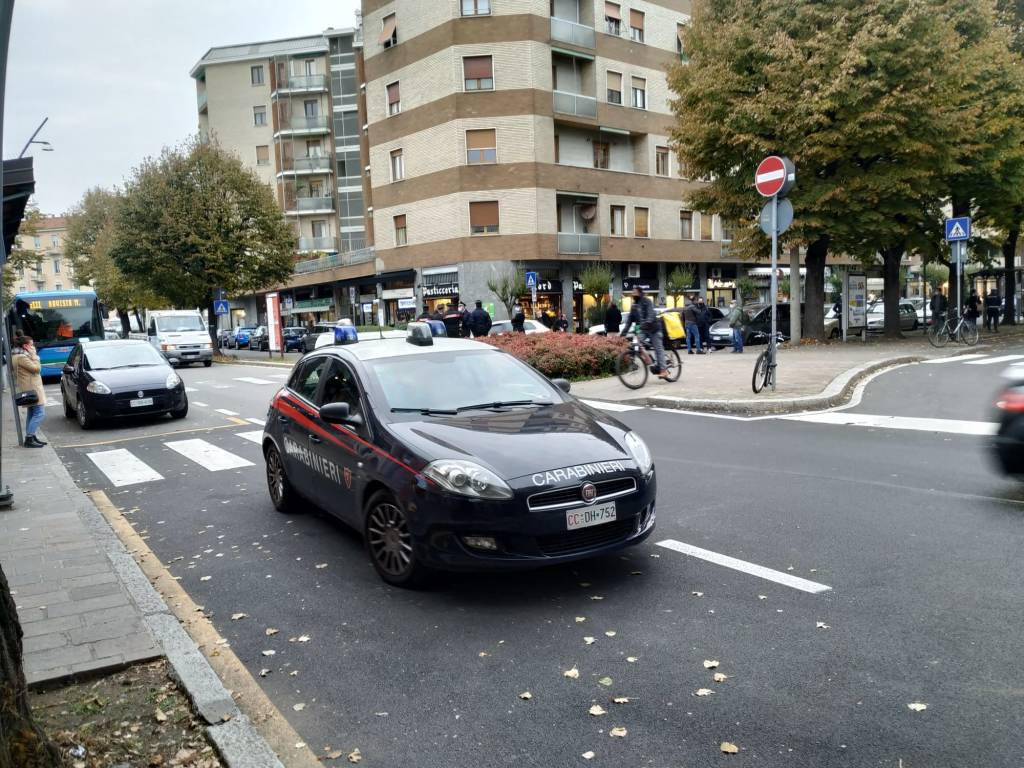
point(221, 386)
point(208, 455)
point(226, 412)
point(742, 565)
point(50, 403)
point(280, 376)
point(256, 436)
point(122, 467)
point(954, 359)
point(951, 426)
point(191, 389)
point(615, 407)
point(201, 405)
point(771, 175)
point(253, 380)
point(258, 422)
point(994, 360)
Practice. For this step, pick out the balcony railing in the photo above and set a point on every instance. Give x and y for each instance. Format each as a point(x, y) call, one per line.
point(201, 100)
point(307, 204)
point(318, 244)
point(570, 32)
point(575, 104)
point(302, 123)
point(578, 243)
point(303, 83)
point(334, 261)
point(308, 164)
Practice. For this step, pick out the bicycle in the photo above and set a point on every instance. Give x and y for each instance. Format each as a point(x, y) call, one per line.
point(963, 330)
point(633, 363)
point(766, 364)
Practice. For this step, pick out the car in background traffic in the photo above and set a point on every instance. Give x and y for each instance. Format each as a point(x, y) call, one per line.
point(112, 379)
point(908, 316)
point(1007, 446)
point(499, 327)
point(292, 337)
point(241, 336)
point(756, 328)
point(308, 343)
point(259, 339)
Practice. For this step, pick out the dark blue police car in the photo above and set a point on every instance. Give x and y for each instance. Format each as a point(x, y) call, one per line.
point(450, 454)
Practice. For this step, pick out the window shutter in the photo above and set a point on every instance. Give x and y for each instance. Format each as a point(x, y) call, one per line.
point(480, 139)
point(639, 83)
point(611, 10)
point(614, 81)
point(388, 29)
point(636, 19)
point(400, 221)
point(483, 214)
point(394, 94)
point(640, 222)
point(477, 67)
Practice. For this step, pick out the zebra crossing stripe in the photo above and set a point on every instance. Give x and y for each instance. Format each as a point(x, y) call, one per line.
point(954, 359)
point(253, 380)
point(256, 436)
point(994, 360)
point(208, 455)
point(226, 412)
point(122, 467)
point(257, 422)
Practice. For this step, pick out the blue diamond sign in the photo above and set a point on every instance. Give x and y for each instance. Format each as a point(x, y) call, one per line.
point(958, 230)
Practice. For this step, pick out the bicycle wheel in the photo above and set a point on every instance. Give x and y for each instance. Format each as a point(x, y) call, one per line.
point(969, 333)
point(761, 372)
point(631, 370)
point(673, 364)
point(938, 335)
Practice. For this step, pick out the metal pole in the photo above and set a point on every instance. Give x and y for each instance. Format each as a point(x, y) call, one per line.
point(32, 138)
point(957, 252)
point(6, 12)
point(775, 282)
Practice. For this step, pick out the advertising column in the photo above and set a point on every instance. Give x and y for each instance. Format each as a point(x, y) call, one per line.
point(274, 321)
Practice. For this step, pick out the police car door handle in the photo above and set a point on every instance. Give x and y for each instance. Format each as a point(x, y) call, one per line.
point(315, 439)
point(284, 420)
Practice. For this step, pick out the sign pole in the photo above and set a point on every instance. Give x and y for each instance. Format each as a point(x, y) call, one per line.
point(775, 280)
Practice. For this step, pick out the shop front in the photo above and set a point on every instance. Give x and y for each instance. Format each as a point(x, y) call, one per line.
point(397, 296)
point(549, 305)
point(440, 287)
point(721, 285)
point(645, 279)
point(308, 312)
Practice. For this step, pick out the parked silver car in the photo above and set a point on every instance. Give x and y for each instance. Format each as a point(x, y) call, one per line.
point(908, 316)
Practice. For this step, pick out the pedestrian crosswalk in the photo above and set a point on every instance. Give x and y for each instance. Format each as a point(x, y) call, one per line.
point(975, 358)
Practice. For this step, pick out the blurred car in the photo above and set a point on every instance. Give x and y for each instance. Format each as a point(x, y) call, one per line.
point(756, 328)
point(292, 337)
point(908, 316)
point(308, 342)
point(242, 336)
point(110, 379)
point(499, 327)
point(259, 339)
point(1008, 444)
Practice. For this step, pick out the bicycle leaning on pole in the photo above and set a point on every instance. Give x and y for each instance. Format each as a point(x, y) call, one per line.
point(767, 362)
point(960, 328)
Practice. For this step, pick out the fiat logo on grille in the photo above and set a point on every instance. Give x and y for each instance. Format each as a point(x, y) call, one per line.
point(588, 492)
point(141, 393)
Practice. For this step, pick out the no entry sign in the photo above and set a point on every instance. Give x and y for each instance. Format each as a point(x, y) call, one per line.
point(774, 176)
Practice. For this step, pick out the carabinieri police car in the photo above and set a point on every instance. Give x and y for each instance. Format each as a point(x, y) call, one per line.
point(450, 454)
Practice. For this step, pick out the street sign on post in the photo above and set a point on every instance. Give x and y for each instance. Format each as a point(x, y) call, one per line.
point(958, 232)
point(785, 217)
point(958, 229)
point(774, 176)
point(221, 307)
point(531, 280)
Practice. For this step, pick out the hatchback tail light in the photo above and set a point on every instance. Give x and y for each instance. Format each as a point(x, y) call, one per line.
point(1011, 400)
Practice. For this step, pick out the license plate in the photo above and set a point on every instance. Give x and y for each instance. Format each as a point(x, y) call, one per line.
point(141, 402)
point(588, 516)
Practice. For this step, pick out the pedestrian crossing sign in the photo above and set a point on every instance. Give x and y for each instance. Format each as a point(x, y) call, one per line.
point(958, 229)
point(531, 280)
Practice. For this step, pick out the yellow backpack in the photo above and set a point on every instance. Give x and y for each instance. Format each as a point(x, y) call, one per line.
point(673, 325)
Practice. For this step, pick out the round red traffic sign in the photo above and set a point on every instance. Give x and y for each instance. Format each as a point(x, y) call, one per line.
point(770, 176)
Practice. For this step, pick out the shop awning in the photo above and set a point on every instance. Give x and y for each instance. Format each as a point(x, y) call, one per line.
point(19, 184)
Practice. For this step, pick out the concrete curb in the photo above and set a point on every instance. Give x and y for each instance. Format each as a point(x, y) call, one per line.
point(239, 743)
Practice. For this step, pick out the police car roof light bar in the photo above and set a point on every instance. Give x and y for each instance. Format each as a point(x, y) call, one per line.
point(419, 334)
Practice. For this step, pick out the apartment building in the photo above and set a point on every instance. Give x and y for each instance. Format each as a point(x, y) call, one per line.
point(52, 272)
point(290, 110)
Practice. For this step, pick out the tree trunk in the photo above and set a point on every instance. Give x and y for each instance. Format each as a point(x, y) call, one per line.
point(1010, 275)
point(814, 287)
point(22, 743)
point(891, 258)
point(126, 322)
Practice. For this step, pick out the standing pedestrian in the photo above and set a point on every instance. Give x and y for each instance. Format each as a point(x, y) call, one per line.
point(612, 318)
point(973, 307)
point(561, 324)
point(992, 306)
point(642, 313)
point(425, 314)
point(453, 325)
point(704, 324)
point(27, 379)
point(438, 313)
point(480, 320)
point(735, 320)
point(690, 323)
point(518, 319)
point(938, 306)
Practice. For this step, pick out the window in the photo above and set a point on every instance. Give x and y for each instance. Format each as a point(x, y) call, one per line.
point(636, 26)
point(481, 147)
point(259, 115)
point(728, 230)
point(614, 87)
point(478, 73)
point(476, 7)
point(612, 19)
point(680, 49)
point(639, 93)
point(311, 108)
point(256, 74)
point(397, 165)
point(56, 266)
point(319, 227)
point(58, 287)
point(661, 161)
point(389, 31)
point(309, 65)
point(705, 226)
point(641, 220)
point(602, 150)
point(401, 237)
point(314, 148)
point(686, 225)
point(394, 99)
point(340, 387)
point(54, 241)
point(483, 218)
point(263, 155)
point(558, 150)
point(306, 379)
point(618, 221)
point(38, 242)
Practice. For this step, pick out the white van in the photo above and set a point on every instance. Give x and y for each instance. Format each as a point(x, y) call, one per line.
point(180, 335)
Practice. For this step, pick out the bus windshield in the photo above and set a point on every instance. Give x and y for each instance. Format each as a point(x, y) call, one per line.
point(55, 320)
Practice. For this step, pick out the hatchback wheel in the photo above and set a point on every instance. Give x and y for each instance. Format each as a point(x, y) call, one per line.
point(282, 494)
point(85, 419)
point(69, 412)
point(389, 542)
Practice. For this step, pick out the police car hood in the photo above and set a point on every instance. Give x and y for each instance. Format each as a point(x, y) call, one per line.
point(518, 442)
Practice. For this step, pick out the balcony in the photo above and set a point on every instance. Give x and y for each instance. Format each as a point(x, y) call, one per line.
point(575, 104)
point(301, 125)
point(566, 31)
point(302, 84)
point(306, 166)
point(301, 205)
point(579, 243)
point(201, 101)
point(307, 244)
point(334, 261)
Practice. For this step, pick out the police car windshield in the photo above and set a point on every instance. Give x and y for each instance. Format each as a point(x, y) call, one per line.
point(445, 382)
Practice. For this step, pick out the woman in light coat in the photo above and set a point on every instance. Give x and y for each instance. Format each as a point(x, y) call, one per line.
point(27, 379)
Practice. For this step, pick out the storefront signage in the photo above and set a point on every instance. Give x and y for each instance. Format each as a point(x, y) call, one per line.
point(443, 289)
point(397, 293)
point(407, 303)
point(367, 308)
point(555, 286)
point(722, 284)
point(645, 283)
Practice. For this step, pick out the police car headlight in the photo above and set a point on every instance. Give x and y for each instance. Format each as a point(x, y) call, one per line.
point(640, 452)
point(468, 479)
point(173, 380)
point(98, 388)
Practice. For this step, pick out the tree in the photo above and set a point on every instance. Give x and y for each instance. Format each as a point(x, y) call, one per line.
point(22, 258)
point(746, 288)
point(90, 236)
point(508, 286)
point(679, 281)
point(195, 220)
point(596, 279)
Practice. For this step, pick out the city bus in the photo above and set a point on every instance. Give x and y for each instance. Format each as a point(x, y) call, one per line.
point(56, 320)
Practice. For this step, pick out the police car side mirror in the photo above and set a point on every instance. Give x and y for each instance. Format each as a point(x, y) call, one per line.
point(562, 384)
point(339, 413)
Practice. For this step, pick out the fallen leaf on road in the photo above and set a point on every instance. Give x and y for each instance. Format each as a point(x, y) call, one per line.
point(697, 594)
point(303, 638)
point(355, 756)
point(525, 695)
point(917, 706)
point(589, 640)
point(621, 700)
point(334, 755)
point(294, 673)
point(790, 568)
point(298, 707)
point(205, 578)
point(264, 672)
point(710, 664)
point(483, 653)
point(720, 678)
point(596, 597)
point(632, 659)
point(580, 619)
point(269, 653)
point(237, 616)
point(160, 716)
point(605, 681)
point(729, 748)
point(572, 673)
point(610, 633)
point(272, 632)
point(597, 709)
point(300, 745)
point(321, 566)
point(381, 714)
point(704, 692)
point(618, 732)
point(587, 755)
point(822, 625)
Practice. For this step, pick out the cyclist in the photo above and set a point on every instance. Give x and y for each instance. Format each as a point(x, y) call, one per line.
point(642, 313)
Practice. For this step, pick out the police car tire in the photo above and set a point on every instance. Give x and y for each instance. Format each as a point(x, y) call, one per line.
point(417, 574)
point(287, 503)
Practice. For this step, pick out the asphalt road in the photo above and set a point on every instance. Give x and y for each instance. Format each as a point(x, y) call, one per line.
point(917, 538)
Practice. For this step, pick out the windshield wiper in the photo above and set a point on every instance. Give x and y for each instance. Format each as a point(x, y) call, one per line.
point(127, 365)
point(501, 404)
point(424, 411)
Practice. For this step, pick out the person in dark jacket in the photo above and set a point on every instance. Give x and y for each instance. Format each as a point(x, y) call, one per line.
point(425, 314)
point(704, 324)
point(691, 322)
point(973, 307)
point(938, 307)
point(518, 319)
point(561, 324)
point(479, 320)
point(612, 318)
point(453, 325)
point(992, 306)
point(642, 313)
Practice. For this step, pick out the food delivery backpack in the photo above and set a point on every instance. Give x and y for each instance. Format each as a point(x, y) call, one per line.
point(673, 325)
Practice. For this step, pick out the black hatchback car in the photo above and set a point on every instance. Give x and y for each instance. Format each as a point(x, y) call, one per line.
point(109, 379)
point(1008, 444)
point(490, 466)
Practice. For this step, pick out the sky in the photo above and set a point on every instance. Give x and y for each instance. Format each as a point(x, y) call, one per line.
point(112, 76)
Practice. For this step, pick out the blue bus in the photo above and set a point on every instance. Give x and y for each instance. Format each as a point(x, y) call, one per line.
point(56, 320)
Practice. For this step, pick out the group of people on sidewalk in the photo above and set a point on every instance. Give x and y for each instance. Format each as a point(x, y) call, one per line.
point(458, 321)
point(992, 304)
point(697, 321)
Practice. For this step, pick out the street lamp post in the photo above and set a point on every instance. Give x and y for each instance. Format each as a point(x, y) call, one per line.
point(32, 140)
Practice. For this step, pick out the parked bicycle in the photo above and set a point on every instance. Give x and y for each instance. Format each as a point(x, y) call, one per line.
point(633, 363)
point(960, 328)
point(766, 364)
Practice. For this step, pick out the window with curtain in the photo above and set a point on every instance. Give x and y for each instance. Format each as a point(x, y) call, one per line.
point(602, 152)
point(481, 146)
point(613, 19)
point(641, 222)
point(686, 225)
point(614, 87)
point(397, 165)
point(618, 220)
point(394, 99)
point(401, 236)
point(478, 73)
point(636, 26)
point(661, 161)
point(256, 74)
point(476, 7)
point(639, 93)
point(483, 217)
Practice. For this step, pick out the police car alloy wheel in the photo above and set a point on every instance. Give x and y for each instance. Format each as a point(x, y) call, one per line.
point(389, 542)
point(281, 493)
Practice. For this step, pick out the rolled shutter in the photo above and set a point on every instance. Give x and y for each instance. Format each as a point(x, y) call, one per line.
point(611, 10)
point(636, 19)
point(394, 94)
point(480, 139)
point(477, 67)
point(483, 214)
point(388, 30)
point(614, 81)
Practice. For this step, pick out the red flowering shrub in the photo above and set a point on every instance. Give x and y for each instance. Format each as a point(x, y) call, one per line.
point(563, 355)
